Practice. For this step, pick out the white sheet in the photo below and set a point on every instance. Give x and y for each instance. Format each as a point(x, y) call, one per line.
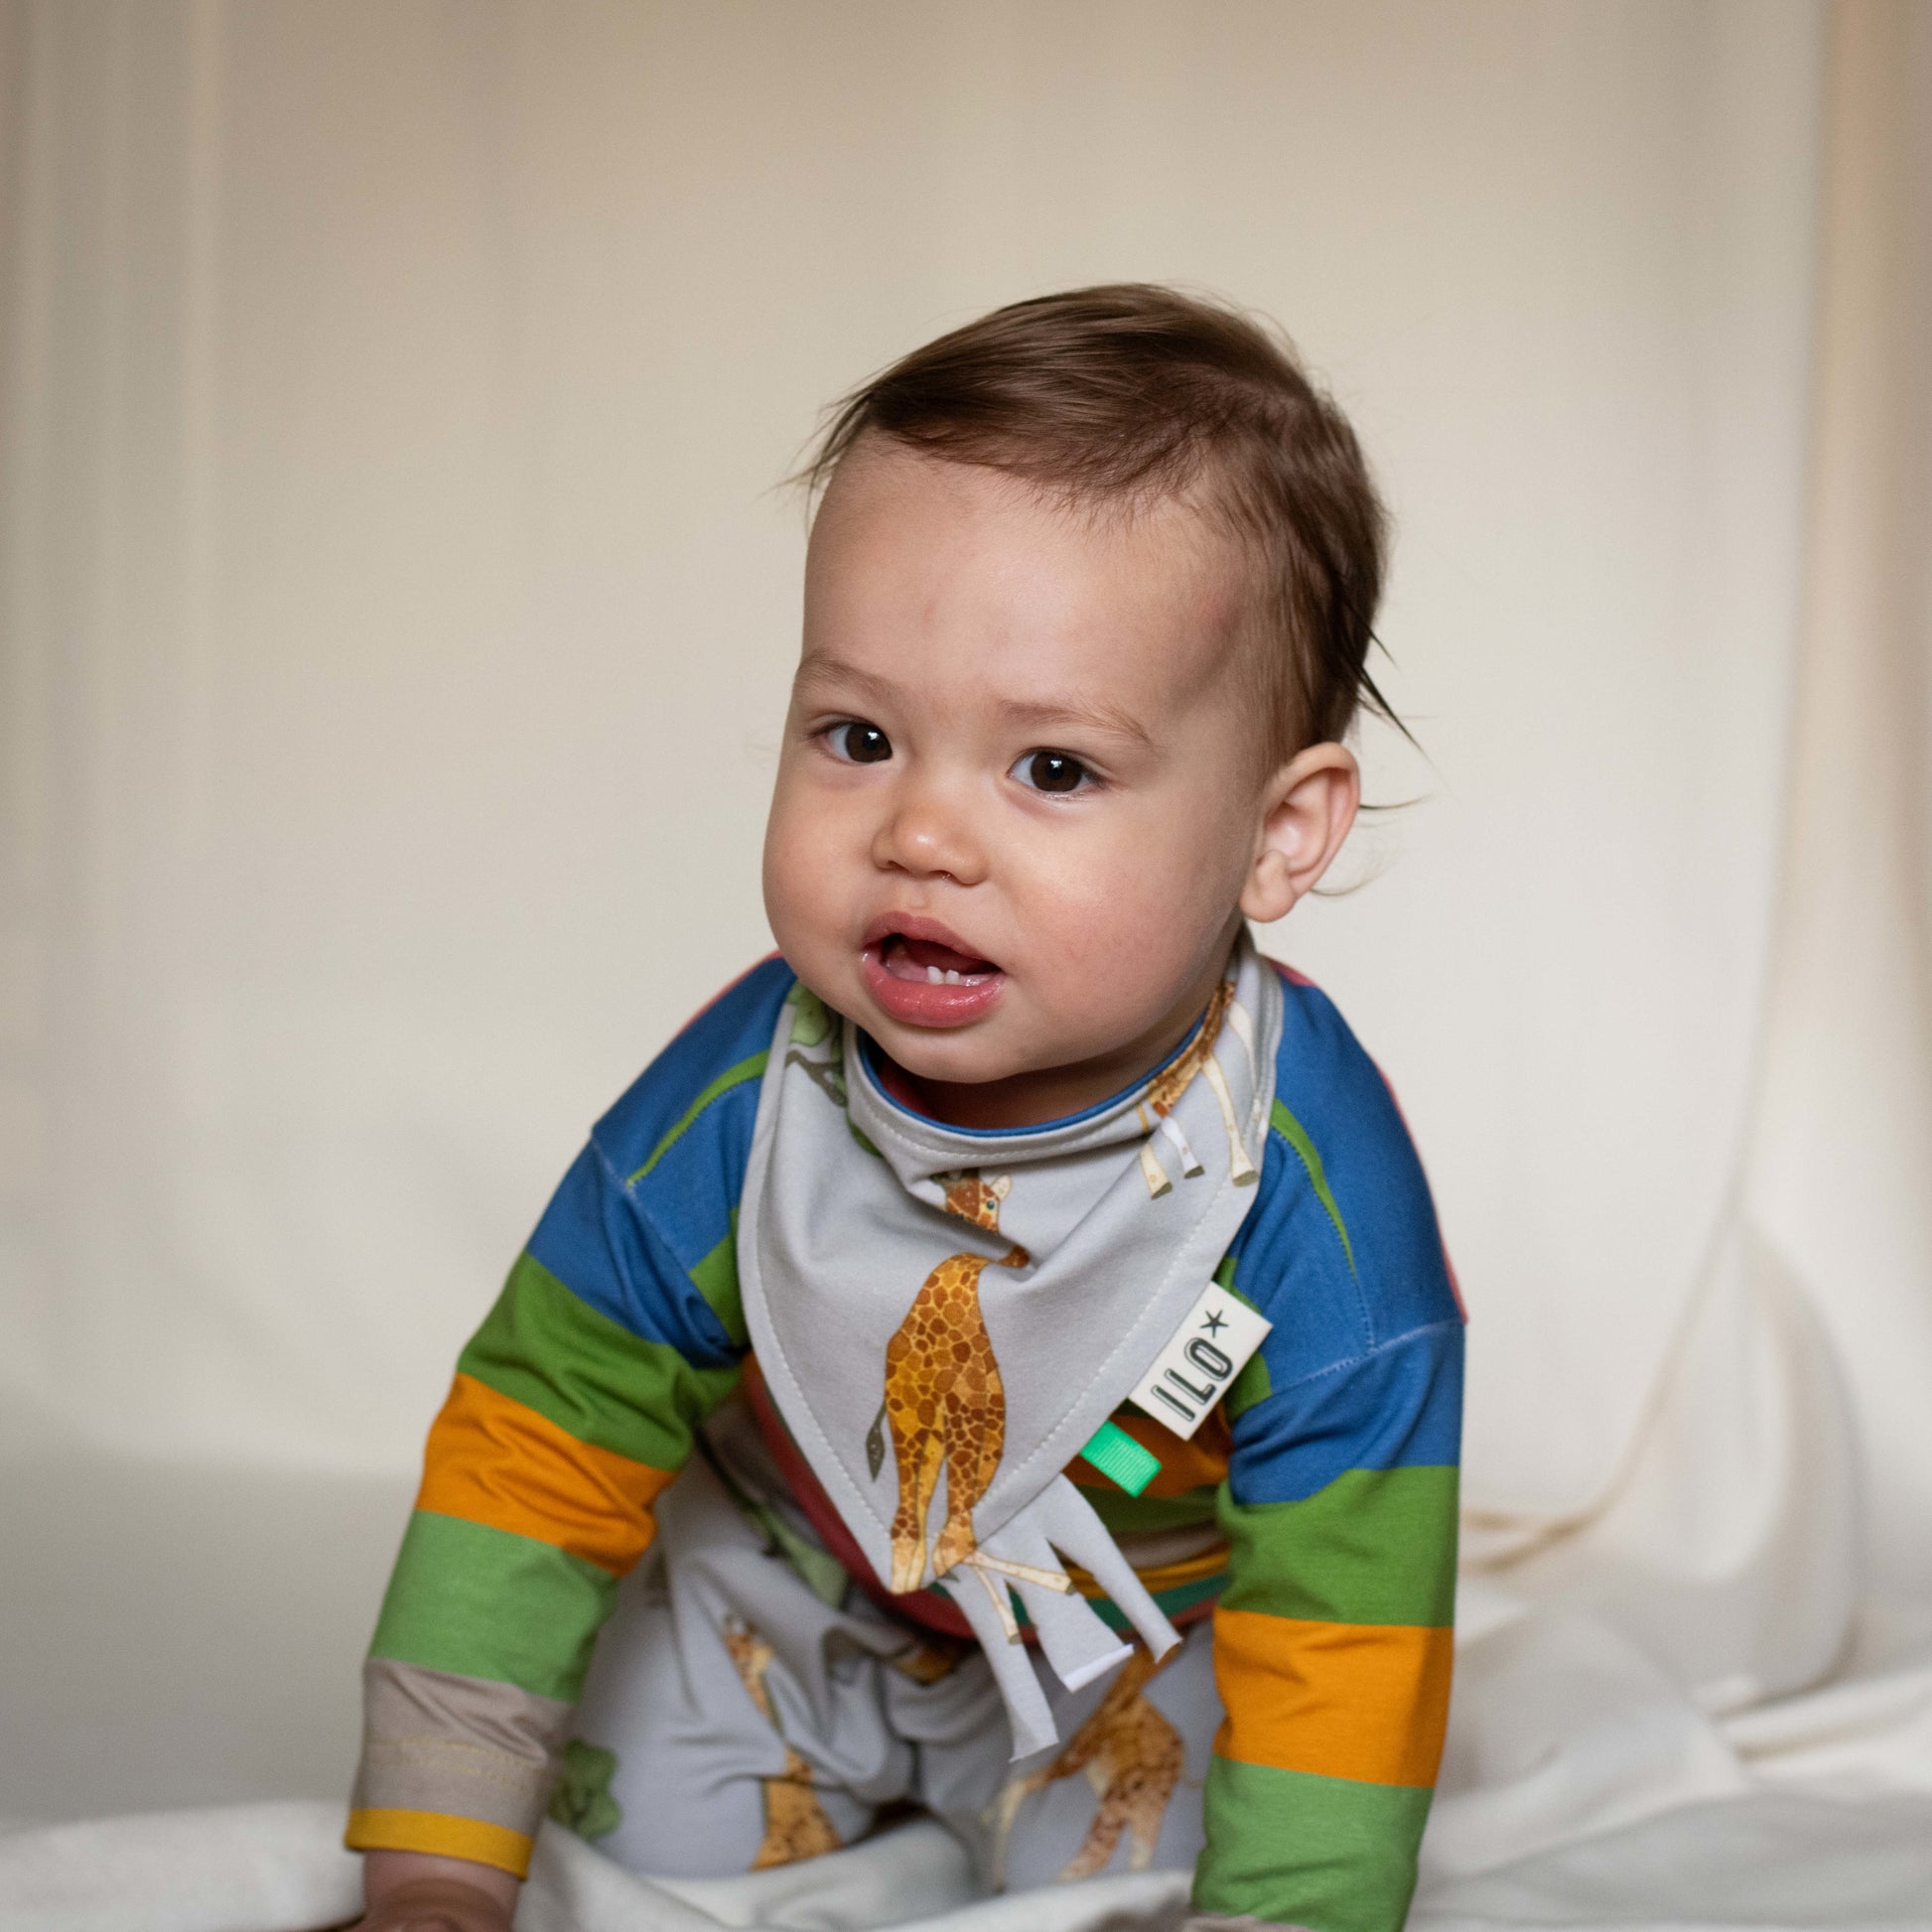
point(280, 1868)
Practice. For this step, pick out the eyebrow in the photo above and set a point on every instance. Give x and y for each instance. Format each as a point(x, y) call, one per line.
point(1040, 711)
point(815, 671)
point(1078, 710)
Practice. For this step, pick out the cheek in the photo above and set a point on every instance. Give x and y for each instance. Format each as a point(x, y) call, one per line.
point(797, 881)
point(1130, 905)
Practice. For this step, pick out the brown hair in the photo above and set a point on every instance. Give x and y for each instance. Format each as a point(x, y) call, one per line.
point(1136, 392)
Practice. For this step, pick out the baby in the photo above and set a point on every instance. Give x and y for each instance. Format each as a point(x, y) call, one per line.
point(1033, 1291)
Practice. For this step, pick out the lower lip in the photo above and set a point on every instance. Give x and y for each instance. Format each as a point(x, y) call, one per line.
point(919, 1003)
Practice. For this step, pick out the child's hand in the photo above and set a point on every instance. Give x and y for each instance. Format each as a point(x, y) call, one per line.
point(437, 1905)
point(411, 1891)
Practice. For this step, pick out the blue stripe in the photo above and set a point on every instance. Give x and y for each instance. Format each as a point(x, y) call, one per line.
point(628, 1252)
point(604, 1249)
point(1396, 1406)
point(738, 1022)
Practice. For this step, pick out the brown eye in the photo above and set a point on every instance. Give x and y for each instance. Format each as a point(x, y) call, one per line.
point(859, 743)
point(1052, 771)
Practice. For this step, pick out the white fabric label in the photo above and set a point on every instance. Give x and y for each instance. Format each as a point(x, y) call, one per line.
point(1203, 1356)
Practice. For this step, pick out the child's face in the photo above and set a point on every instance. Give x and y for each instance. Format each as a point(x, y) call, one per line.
point(1018, 803)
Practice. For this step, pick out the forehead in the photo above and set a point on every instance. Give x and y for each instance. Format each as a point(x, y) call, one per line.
point(950, 571)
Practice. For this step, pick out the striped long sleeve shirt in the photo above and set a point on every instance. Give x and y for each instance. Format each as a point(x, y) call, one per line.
point(1330, 1471)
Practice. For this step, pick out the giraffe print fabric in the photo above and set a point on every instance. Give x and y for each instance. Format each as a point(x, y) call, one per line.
point(944, 1319)
point(738, 1722)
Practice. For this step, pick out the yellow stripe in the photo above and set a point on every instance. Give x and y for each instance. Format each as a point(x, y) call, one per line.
point(491, 1461)
point(1159, 1577)
point(437, 1832)
point(1361, 1701)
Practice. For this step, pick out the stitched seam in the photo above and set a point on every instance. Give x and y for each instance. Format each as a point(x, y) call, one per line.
point(1355, 1362)
point(748, 1068)
point(478, 1763)
point(734, 1355)
point(1317, 1171)
point(1324, 1195)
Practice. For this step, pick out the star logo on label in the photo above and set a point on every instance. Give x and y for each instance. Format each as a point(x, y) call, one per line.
point(1197, 1367)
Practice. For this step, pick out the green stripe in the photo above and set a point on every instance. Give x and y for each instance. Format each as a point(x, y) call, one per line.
point(1297, 1135)
point(1171, 1602)
point(542, 1346)
point(1253, 1384)
point(484, 1602)
point(716, 1279)
point(1376, 1546)
point(1296, 1848)
point(1125, 1514)
point(733, 1076)
point(811, 1018)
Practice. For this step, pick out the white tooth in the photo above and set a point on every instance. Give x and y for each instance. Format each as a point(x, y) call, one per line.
point(935, 976)
point(952, 978)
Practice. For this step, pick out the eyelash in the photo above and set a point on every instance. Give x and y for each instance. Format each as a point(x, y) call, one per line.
point(834, 736)
point(829, 735)
point(1088, 779)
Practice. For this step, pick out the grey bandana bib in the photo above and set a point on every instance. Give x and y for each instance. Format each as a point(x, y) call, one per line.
point(944, 1319)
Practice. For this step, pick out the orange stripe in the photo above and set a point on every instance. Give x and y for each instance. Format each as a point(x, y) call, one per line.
point(493, 1460)
point(1362, 1700)
point(437, 1832)
point(1202, 1460)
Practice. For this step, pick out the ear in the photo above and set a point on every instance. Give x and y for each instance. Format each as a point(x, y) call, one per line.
point(1308, 807)
point(1000, 1186)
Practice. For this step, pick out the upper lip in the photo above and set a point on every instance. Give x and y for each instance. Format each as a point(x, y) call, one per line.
point(915, 925)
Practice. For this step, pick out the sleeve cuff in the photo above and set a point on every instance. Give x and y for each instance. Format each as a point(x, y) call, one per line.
point(441, 1834)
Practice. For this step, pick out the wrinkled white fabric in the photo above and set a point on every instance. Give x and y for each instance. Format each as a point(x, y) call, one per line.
point(280, 1868)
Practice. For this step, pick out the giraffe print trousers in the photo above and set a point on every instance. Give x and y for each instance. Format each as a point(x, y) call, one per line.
point(735, 1719)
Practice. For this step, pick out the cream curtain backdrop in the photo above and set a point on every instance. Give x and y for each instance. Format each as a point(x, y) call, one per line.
point(398, 616)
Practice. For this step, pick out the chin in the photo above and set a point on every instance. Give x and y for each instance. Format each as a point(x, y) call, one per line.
point(954, 1060)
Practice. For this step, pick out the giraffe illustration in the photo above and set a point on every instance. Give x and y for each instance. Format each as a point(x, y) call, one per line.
point(944, 1399)
point(796, 1824)
point(1157, 1110)
point(1130, 1754)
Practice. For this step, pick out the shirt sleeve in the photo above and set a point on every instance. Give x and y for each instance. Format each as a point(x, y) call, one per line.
point(1333, 1644)
point(574, 1404)
point(1334, 1639)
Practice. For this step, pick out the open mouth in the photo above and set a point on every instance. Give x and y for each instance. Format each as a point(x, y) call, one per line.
point(907, 958)
point(925, 976)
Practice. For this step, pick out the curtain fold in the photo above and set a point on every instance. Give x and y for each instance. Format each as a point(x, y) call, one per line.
point(1844, 1142)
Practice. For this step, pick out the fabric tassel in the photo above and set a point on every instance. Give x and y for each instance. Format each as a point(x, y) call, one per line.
point(1152, 1172)
point(1241, 1169)
point(1013, 1669)
point(1190, 1163)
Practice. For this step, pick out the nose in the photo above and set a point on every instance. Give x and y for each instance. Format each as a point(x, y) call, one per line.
point(928, 832)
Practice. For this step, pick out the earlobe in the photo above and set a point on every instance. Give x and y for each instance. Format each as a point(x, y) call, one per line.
point(1308, 809)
